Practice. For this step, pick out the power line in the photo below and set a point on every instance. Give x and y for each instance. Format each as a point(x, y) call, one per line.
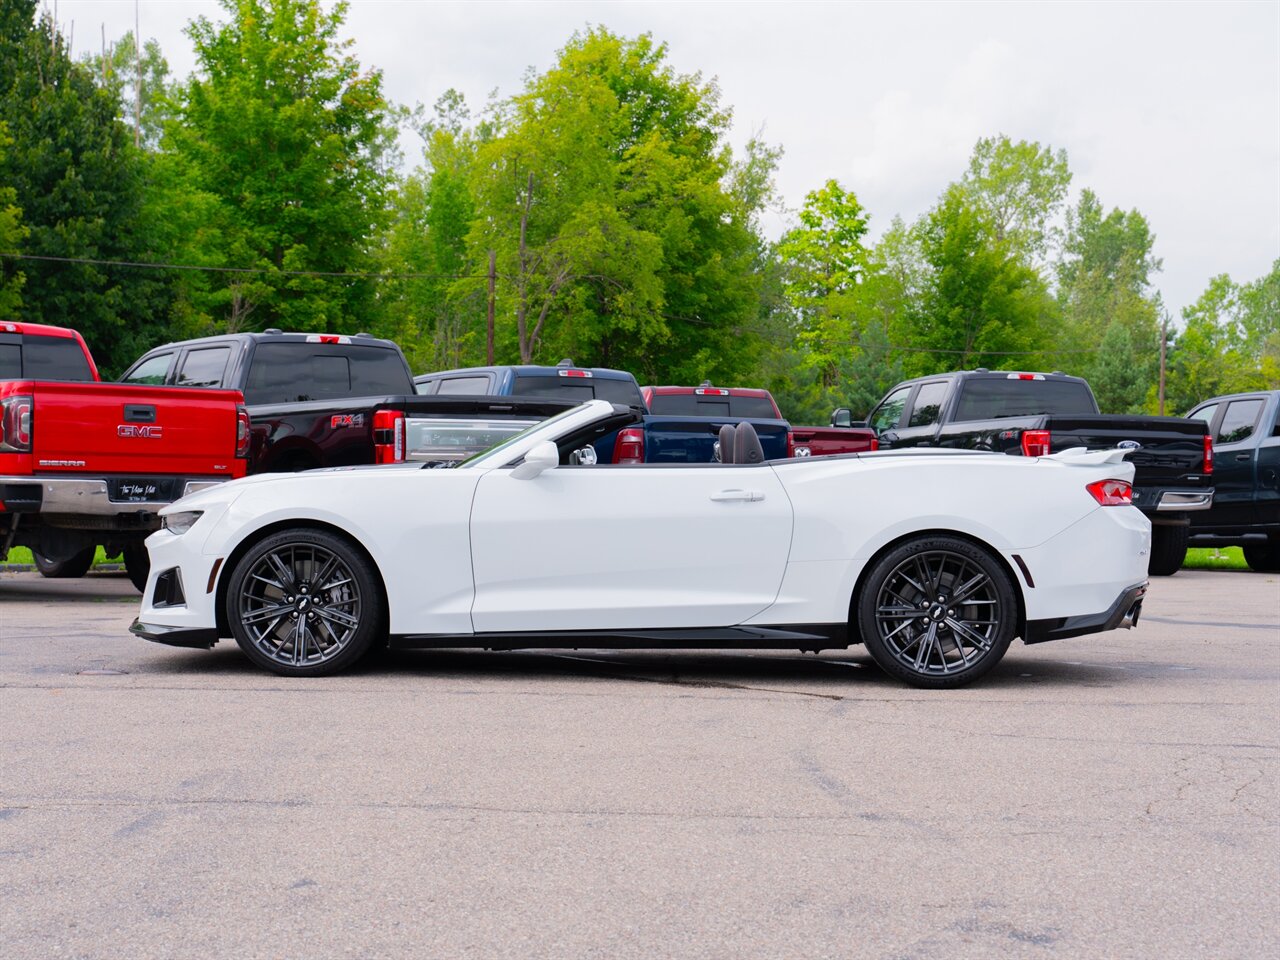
point(341, 274)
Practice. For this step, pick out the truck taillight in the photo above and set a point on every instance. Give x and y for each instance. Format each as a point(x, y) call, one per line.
point(1208, 454)
point(242, 432)
point(791, 444)
point(1111, 493)
point(629, 447)
point(15, 424)
point(1035, 443)
point(875, 444)
point(388, 436)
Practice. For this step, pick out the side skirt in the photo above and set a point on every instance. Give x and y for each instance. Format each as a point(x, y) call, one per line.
point(804, 636)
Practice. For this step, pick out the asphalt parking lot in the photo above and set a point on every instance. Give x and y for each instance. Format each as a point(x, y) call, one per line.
point(1113, 796)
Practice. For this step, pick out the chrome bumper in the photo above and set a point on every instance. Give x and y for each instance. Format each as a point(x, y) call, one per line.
point(89, 497)
point(1185, 500)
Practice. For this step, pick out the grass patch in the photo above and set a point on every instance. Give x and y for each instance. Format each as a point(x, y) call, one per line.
point(21, 555)
point(1215, 558)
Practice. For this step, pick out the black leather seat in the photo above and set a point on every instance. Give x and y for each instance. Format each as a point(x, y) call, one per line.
point(727, 434)
point(746, 445)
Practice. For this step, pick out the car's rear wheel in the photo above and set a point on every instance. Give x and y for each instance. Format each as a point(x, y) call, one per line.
point(1168, 549)
point(937, 611)
point(304, 603)
point(1265, 558)
point(77, 566)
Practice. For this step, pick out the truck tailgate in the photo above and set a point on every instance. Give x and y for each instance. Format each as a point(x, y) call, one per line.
point(106, 428)
point(693, 439)
point(1165, 449)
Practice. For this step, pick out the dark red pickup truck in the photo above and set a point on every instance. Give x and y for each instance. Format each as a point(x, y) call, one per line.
point(84, 463)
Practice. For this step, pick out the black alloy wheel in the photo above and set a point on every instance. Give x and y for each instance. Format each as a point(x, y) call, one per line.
point(937, 611)
point(304, 603)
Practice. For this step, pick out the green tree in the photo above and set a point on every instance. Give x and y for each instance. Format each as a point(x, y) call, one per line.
point(982, 304)
point(78, 182)
point(11, 234)
point(1106, 299)
point(1018, 188)
point(146, 107)
point(284, 136)
point(610, 201)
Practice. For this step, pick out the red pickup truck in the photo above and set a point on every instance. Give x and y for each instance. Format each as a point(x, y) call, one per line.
point(709, 401)
point(84, 463)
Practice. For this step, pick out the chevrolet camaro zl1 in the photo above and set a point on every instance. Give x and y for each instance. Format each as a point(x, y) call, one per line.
point(934, 560)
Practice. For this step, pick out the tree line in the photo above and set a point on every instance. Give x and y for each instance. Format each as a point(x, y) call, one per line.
point(599, 213)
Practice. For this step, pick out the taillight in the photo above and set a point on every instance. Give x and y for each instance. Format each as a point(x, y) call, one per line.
point(875, 444)
point(15, 425)
point(242, 432)
point(388, 436)
point(1208, 454)
point(629, 447)
point(1111, 493)
point(791, 444)
point(1035, 443)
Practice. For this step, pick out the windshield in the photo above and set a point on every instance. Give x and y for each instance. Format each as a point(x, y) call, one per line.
point(496, 452)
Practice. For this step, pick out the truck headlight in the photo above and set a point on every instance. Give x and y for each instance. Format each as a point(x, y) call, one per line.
point(180, 523)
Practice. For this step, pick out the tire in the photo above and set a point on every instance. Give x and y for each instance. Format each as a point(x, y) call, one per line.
point(304, 603)
point(71, 569)
point(1168, 550)
point(1264, 559)
point(137, 563)
point(908, 617)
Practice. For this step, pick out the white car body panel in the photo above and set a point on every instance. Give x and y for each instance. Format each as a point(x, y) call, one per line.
point(474, 550)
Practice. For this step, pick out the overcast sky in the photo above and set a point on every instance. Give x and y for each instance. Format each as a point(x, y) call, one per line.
point(1169, 108)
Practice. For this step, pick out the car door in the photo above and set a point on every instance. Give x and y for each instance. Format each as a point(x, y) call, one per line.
point(1235, 452)
point(921, 427)
point(627, 547)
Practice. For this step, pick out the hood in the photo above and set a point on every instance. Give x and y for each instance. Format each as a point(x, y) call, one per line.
point(229, 491)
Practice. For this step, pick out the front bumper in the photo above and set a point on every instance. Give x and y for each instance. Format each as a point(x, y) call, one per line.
point(79, 496)
point(174, 636)
point(1123, 613)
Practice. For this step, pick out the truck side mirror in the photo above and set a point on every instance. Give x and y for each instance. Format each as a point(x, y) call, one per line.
point(841, 417)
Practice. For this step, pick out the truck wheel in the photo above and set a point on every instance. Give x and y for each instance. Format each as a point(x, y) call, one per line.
point(71, 569)
point(937, 612)
point(1264, 559)
point(304, 603)
point(1168, 550)
point(137, 563)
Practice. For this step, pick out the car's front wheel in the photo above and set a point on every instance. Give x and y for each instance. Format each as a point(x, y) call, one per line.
point(937, 611)
point(304, 603)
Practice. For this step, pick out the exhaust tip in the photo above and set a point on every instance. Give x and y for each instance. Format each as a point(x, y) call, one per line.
point(1130, 619)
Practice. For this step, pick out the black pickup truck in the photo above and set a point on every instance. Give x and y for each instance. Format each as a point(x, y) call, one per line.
point(1034, 414)
point(1246, 477)
point(328, 400)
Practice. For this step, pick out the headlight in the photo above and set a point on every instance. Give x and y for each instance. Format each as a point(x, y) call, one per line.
point(179, 523)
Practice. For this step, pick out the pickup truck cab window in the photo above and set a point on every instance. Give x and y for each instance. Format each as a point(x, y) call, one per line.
point(889, 413)
point(36, 357)
point(204, 368)
point(1239, 420)
point(928, 404)
point(475, 386)
point(692, 405)
point(1205, 413)
point(153, 371)
point(581, 389)
point(990, 398)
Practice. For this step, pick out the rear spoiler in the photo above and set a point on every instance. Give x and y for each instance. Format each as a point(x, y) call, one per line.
point(1084, 457)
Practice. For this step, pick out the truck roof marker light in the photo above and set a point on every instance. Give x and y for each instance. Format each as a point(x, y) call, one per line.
point(1111, 493)
point(327, 338)
point(1024, 376)
point(574, 373)
point(711, 392)
point(9, 327)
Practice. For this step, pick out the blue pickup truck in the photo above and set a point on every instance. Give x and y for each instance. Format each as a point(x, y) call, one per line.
point(660, 439)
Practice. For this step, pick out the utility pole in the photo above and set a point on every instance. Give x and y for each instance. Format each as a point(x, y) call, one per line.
point(137, 96)
point(493, 276)
point(104, 55)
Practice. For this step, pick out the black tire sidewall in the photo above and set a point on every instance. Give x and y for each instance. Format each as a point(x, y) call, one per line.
point(362, 572)
point(1168, 549)
point(137, 563)
point(880, 570)
point(74, 568)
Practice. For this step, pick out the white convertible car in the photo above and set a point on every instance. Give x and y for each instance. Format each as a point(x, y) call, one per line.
point(934, 560)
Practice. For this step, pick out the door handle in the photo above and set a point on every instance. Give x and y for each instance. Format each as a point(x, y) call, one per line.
point(726, 496)
point(1243, 456)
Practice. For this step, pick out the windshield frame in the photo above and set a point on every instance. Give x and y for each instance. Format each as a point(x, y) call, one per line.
point(515, 447)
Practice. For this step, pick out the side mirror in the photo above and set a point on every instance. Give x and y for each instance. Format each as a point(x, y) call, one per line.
point(542, 457)
point(841, 417)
